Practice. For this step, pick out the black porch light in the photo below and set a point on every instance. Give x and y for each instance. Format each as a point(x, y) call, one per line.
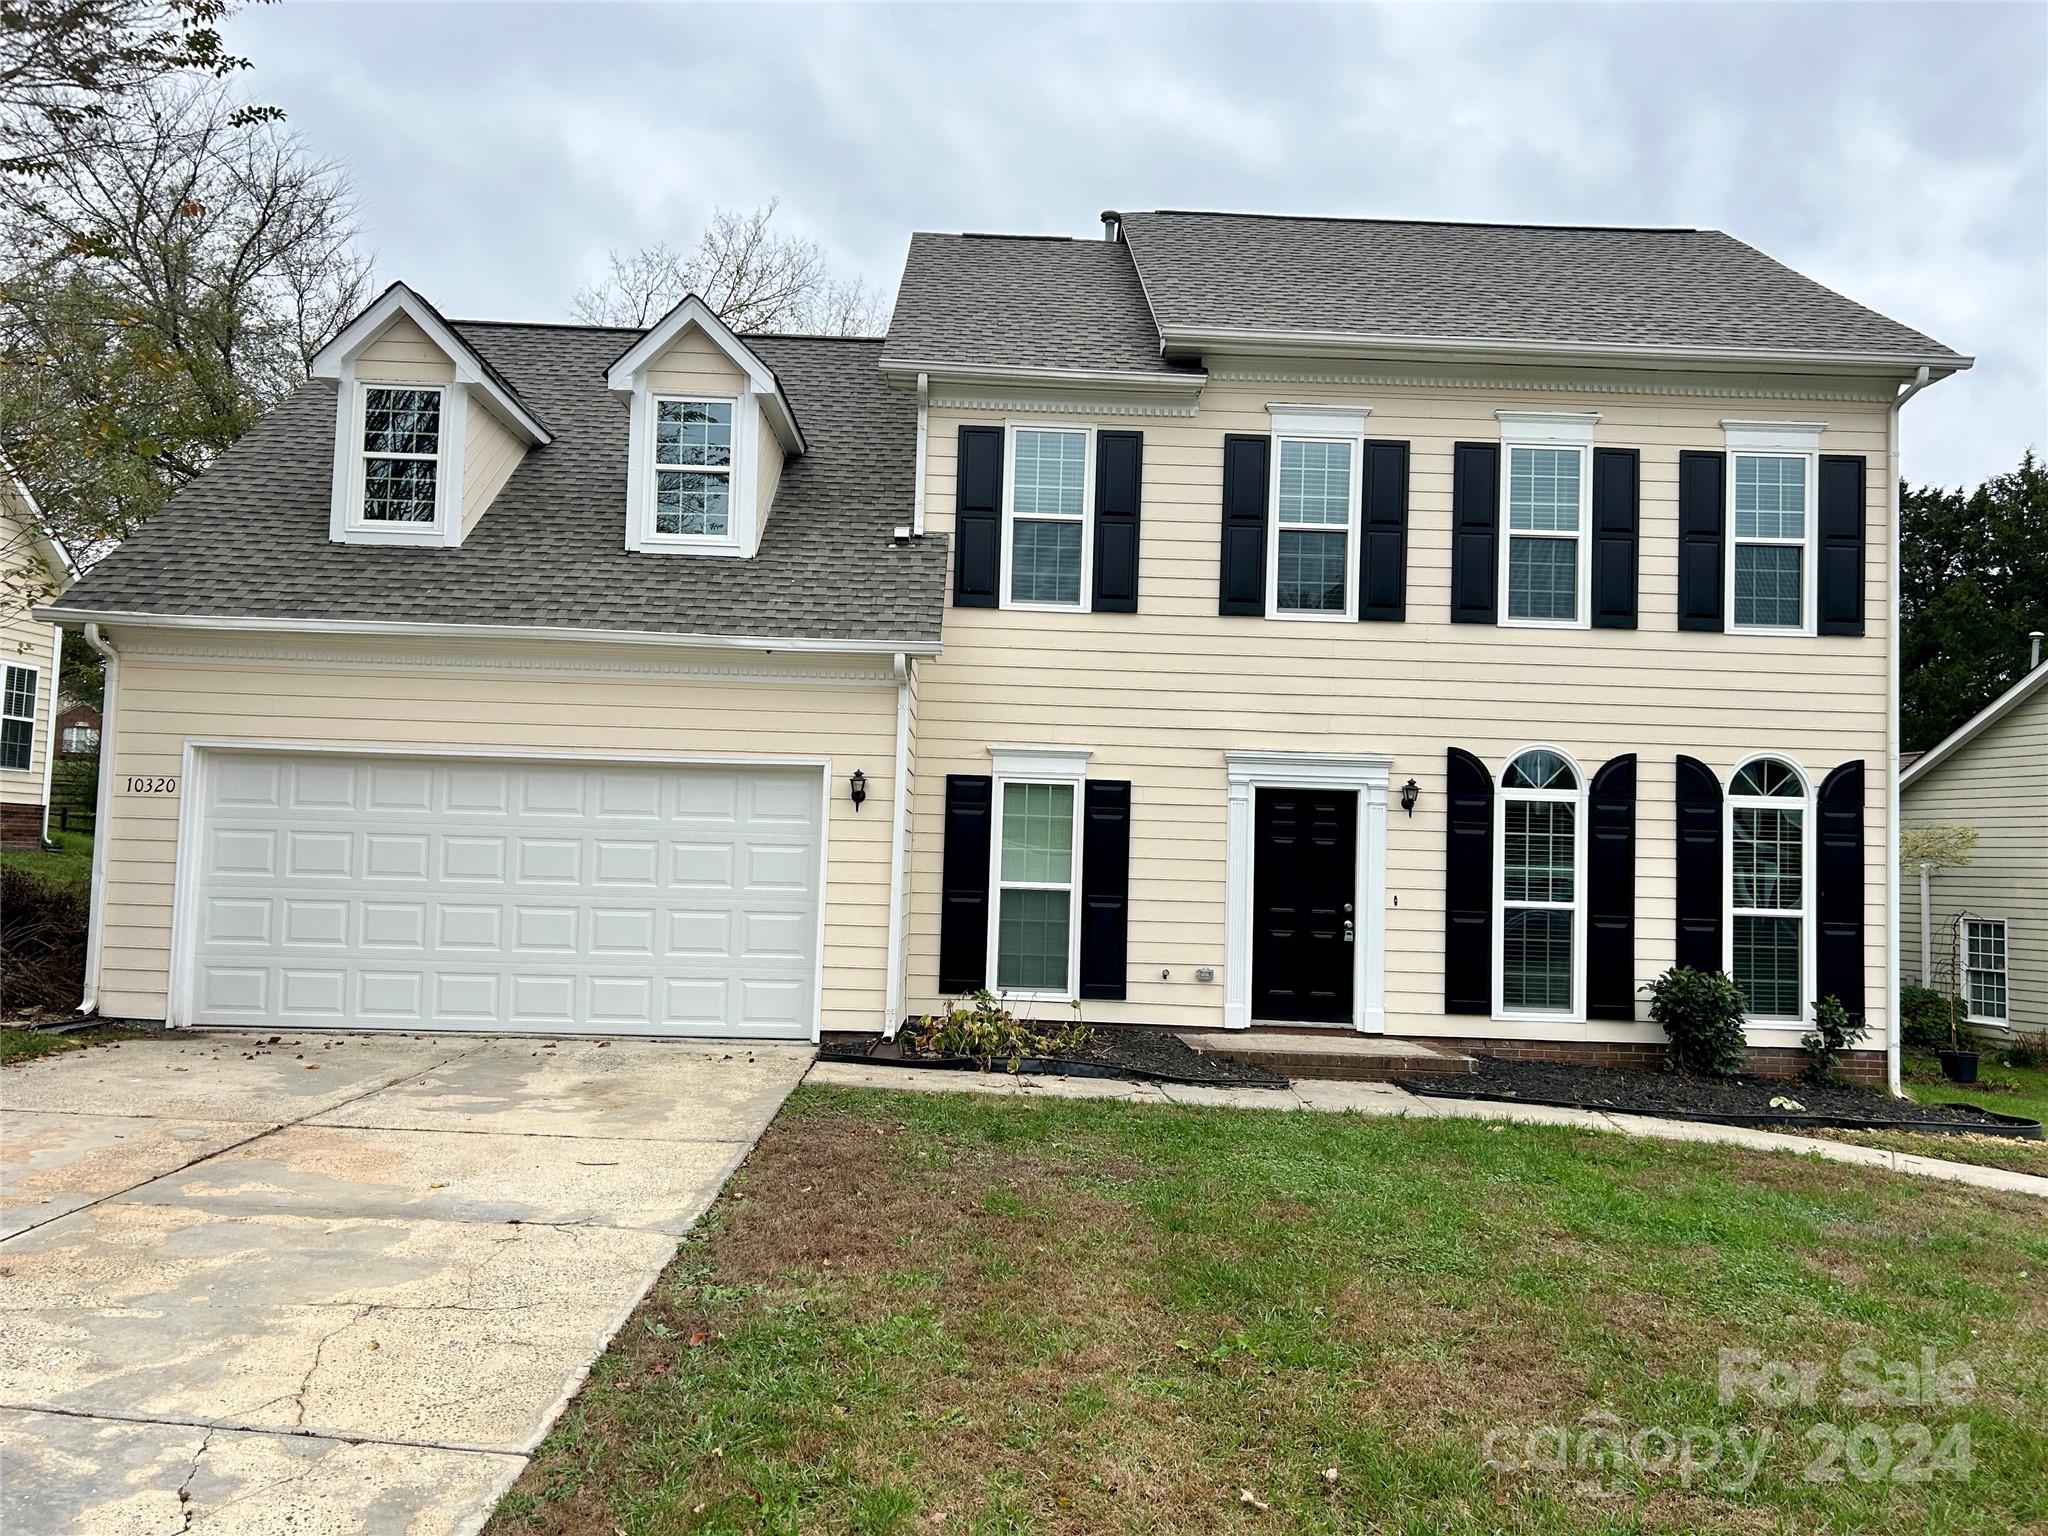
point(1410, 793)
point(857, 787)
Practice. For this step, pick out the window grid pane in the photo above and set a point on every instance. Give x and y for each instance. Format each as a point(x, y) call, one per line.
point(1767, 965)
point(1050, 470)
point(692, 502)
point(1038, 833)
point(1536, 961)
point(1984, 945)
point(1315, 483)
point(399, 490)
point(1311, 571)
point(1543, 578)
point(17, 743)
point(1768, 857)
point(1543, 490)
point(1767, 584)
point(1045, 562)
point(1539, 770)
point(402, 421)
point(693, 432)
point(1537, 850)
point(20, 694)
point(1031, 941)
point(1767, 778)
point(1770, 498)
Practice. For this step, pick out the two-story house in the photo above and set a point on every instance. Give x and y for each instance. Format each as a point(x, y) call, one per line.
point(1232, 622)
point(34, 567)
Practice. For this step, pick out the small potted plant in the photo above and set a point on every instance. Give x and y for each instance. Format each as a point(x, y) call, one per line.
point(1959, 1061)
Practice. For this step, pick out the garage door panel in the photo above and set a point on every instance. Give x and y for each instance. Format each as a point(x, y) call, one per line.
point(551, 897)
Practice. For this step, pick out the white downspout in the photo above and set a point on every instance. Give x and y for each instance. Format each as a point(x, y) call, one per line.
point(1891, 743)
point(50, 736)
point(924, 408)
point(1926, 925)
point(102, 822)
point(899, 839)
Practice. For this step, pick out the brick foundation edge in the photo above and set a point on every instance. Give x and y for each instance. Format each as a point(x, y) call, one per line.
point(1776, 1061)
point(21, 826)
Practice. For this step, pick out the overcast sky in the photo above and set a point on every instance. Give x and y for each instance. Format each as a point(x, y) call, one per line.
point(1898, 153)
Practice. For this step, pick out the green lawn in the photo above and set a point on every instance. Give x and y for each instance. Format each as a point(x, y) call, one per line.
point(69, 864)
point(938, 1313)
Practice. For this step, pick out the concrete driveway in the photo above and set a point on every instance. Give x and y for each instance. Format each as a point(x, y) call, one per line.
point(340, 1283)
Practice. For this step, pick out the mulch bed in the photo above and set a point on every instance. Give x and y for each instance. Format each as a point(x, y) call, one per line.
point(1736, 1101)
point(1148, 1055)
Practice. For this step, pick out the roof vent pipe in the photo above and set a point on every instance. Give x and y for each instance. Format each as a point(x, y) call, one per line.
point(1112, 224)
point(2033, 649)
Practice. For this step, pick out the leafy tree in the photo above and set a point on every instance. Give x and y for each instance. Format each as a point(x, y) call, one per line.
point(159, 289)
point(1973, 579)
point(754, 279)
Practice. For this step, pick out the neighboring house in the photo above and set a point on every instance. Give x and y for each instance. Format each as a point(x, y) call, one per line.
point(1233, 622)
point(78, 728)
point(1983, 926)
point(34, 568)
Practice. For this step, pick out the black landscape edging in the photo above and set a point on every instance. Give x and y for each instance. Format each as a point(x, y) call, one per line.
point(883, 1053)
point(2013, 1126)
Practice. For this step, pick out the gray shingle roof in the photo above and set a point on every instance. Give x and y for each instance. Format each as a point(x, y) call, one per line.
point(249, 537)
point(1022, 301)
point(1675, 288)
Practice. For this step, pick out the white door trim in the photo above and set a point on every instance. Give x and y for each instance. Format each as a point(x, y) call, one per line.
point(181, 984)
point(1365, 773)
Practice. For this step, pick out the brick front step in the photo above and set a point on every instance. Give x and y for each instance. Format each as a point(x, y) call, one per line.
point(1351, 1058)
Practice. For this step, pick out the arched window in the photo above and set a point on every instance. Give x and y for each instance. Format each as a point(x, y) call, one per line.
point(1770, 890)
point(1540, 858)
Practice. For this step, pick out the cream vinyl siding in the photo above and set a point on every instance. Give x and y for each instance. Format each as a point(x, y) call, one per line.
point(489, 457)
point(25, 642)
point(695, 366)
point(575, 698)
point(1997, 783)
point(1160, 695)
point(767, 469)
point(402, 351)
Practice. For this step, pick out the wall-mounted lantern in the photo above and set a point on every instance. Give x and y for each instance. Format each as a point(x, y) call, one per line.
point(857, 787)
point(1410, 793)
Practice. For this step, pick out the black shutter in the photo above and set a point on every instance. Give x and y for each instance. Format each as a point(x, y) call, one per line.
point(1699, 866)
point(1839, 887)
point(1105, 886)
point(1119, 466)
point(1383, 548)
point(1616, 476)
point(1243, 586)
point(1702, 509)
point(963, 882)
point(1475, 530)
point(978, 519)
point(1468, 884)
point(1840, 550)
point(1611, 891)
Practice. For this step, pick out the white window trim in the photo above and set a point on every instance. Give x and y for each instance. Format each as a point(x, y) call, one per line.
point(736, 477)
point(1989, 1021)
point(1775, 440)
point(1808, 939)
point(1316, 424)
point(742, 537)
point(1047, 770)
point(346, 523)
point(1086, 431)
point(1550, 430)
point(1577, 798)
point(35, 696)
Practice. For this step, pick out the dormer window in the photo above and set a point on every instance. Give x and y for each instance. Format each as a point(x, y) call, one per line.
point(693, 468)
point(401, 457)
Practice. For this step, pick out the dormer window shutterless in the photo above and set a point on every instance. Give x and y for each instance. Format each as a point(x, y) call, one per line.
point(401, 454)
point(693, 468)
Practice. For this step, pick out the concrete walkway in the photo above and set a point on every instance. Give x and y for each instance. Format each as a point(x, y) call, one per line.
point(340, 1284)
point(1386, 1099)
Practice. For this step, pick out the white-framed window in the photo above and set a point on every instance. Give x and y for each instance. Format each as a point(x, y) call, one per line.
point(1048, 503)
point(1314, 528)
point(1770, 558)
point(1546, 506)
point(81, 739)
point(399, 469)
point(693, 468)
point(18, 719)
point(1035, 917)
point(1769, 942)
point(1984, 968)
point(1539, 855)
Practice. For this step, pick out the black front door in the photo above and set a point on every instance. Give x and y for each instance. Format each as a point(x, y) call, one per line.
point(1304, 878)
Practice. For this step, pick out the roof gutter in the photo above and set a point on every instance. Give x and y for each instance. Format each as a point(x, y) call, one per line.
point(386, 627)
point(1181, 382)
point(1339, 344)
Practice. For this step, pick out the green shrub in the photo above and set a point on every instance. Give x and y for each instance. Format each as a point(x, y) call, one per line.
point(1701, 1012)
point(1924, 1018)
point(1834, 1031)
point(978, 1025)
point(2019, 1055)
point(42, 943)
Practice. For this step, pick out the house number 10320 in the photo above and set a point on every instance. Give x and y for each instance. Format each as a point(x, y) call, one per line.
point(152, 786)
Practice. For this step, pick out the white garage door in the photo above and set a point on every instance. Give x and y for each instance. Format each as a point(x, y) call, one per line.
point(458, 894)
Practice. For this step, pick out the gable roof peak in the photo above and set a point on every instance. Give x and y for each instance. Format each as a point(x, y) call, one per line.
point(627, 370)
